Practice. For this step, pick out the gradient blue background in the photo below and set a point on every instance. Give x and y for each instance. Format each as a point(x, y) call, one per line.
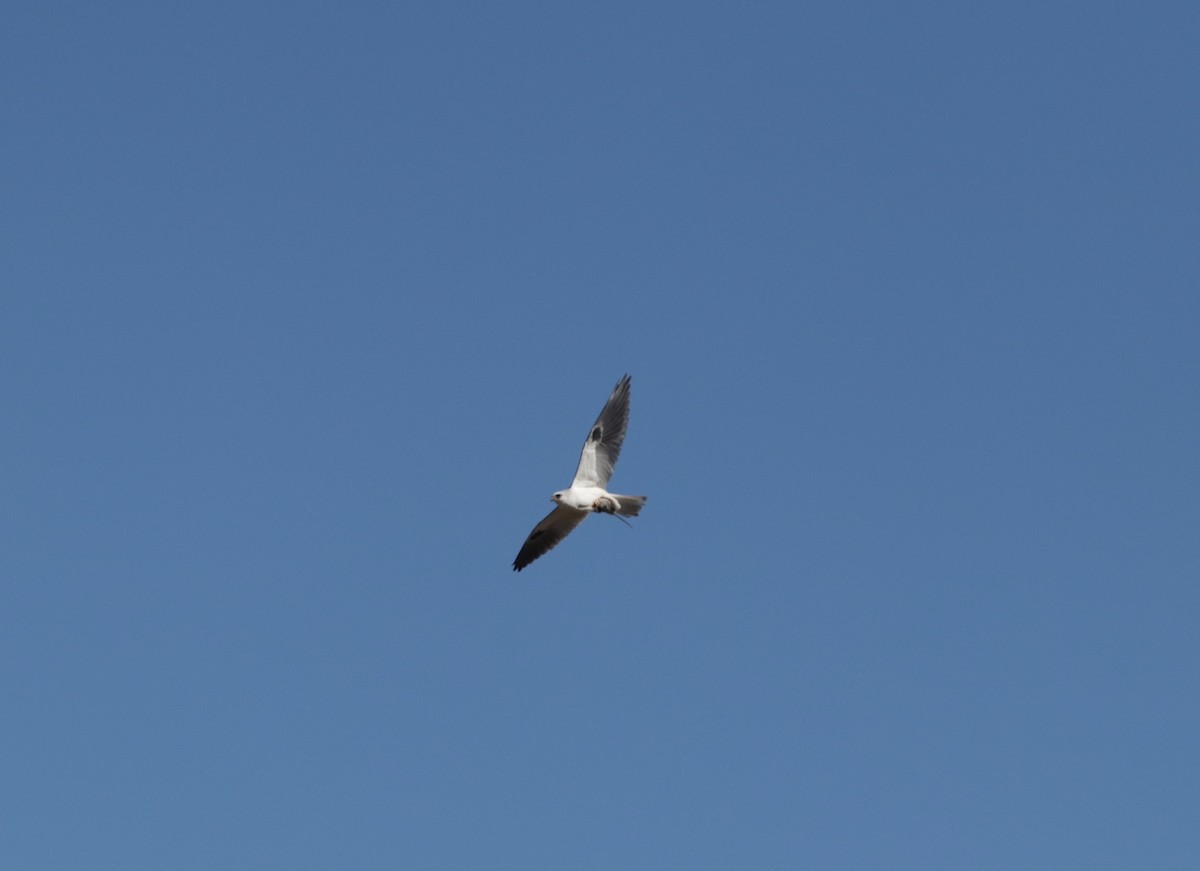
point(305, 309)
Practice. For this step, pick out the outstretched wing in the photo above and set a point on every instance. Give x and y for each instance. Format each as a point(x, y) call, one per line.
point(604, 440)
point(552, 529)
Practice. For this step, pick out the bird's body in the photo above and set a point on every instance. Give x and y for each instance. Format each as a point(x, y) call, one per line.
point(587, 492)
point(598, 499)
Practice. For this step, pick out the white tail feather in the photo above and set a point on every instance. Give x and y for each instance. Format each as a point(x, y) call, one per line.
point(629, 506)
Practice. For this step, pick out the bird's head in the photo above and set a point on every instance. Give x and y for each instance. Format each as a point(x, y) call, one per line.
point(557, 497)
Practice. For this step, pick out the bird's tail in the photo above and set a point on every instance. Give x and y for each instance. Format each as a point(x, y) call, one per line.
point(629, 506)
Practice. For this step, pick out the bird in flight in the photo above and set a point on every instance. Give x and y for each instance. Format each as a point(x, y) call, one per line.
point(587, 492)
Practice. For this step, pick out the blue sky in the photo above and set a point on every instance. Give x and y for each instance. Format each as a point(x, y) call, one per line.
point(305, 309)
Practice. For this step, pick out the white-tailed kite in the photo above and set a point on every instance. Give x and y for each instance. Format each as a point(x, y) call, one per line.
point(586, 493)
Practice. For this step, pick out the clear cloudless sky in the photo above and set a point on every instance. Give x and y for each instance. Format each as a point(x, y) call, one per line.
point(305, 309)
